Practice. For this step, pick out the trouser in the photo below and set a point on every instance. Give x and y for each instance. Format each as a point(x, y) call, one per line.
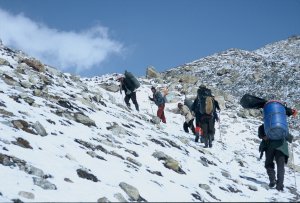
point(188, 125)
point(279, 157)
point(131, 96)
point(206, 124)
point(160, 113)
point(213, 130)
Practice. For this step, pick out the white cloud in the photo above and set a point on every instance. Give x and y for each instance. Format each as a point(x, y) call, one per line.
point(77, 50)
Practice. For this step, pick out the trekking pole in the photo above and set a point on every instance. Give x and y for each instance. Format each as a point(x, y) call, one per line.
point(220, 127)
point(122, 98)
point(150, 104)
point(294, 160)
point(294, 167)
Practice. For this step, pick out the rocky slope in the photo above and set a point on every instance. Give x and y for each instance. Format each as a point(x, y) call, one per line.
point(66, 138)
point(272, 72)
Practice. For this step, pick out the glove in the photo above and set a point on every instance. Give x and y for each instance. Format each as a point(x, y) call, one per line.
point(294, 112)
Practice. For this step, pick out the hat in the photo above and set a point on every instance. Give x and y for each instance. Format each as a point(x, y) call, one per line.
point(152, 88)
point(120, 78)
point(202, 86)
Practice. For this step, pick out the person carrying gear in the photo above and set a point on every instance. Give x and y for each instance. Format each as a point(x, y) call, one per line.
point(275, 149)
point(160, 102)
point(189, 118)
point(128, 93)
point(203, 108)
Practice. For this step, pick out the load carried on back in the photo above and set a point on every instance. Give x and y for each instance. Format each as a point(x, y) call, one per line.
point(131, 82)
point(205, 102)
point(274, 115)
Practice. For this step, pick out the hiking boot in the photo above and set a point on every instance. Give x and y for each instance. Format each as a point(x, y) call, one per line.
point(279, 188)
point(210, 146)
point(197, 138)
point(272, 184)
point(206, 146)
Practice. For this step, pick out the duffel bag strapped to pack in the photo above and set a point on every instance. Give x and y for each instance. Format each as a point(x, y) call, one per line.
point(252, 102)
point(131, 82)
point(275, 120)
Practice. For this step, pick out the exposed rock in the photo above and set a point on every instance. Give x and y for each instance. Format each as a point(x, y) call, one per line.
point(116, 129)
point(103, 200)
point(131, 191)
point(205, 187)
point(22, 143)
point(120, 197)
point(135, 162)
point(169, 162)
point(110, 87)
point(27, 195)
point(4, 62)
point(86, 175)
point(25, 84)
point(85, 120)
point(45, 184)
point(35, 64)
point(6, 113)
point(151, 72)
point(31, 170)
point(21, 124)
point(40, 129)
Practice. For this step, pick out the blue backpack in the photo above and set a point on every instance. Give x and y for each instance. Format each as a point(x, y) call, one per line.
point(275, 120)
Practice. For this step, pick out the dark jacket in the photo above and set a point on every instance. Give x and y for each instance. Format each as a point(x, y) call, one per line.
point(158, 98)
point(124, 87)
point(280, 145)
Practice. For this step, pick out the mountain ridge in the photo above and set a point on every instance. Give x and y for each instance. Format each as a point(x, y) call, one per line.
point(66, 138)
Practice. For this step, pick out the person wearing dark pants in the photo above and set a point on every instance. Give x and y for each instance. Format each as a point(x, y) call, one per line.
point(189, 118)
point(270, 167)
point(160, 113)
point(278, 150)
point(188, 125)
point(160, 102)
point(207, 126)
point(128, 94)
point(131, 96)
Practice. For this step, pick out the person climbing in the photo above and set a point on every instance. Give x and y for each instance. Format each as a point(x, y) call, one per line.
point(160, 102)
point(274, 133)
point(189, 118)
point(129, 88)
point(203, 108)
point(275, 148)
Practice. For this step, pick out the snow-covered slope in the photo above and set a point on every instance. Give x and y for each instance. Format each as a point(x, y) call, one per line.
point(64, 138)
point(272, 72)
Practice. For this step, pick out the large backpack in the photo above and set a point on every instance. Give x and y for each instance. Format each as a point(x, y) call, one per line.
point(131, 82)
point(275, 121)
point(205, 103)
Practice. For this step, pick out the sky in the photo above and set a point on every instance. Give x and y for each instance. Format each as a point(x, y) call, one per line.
point(96, 37)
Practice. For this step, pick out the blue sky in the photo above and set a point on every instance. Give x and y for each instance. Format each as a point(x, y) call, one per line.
point(95, 37)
